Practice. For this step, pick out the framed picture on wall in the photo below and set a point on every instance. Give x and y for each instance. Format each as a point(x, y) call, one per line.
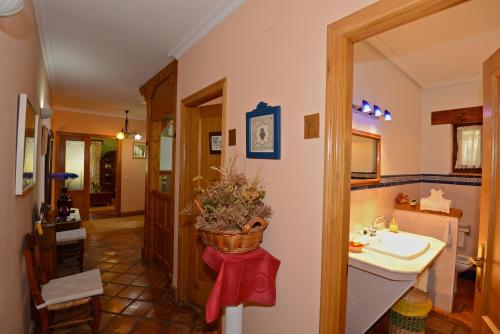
point(263, 137)
point(27, 143)
point(215, 142)
point(139, 150)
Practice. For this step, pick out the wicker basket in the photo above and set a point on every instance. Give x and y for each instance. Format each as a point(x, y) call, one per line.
point(227, 242)
point(409, 314)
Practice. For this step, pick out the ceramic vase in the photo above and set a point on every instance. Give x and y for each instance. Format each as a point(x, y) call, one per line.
point(64, 203)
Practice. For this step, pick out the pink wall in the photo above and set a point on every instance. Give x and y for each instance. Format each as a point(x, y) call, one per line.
point(275, 51)
point(437, 140)
point(22, 72)
point(379, 81)
point(133, 170)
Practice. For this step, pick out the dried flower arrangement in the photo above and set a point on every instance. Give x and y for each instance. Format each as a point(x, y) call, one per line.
point(227, 205)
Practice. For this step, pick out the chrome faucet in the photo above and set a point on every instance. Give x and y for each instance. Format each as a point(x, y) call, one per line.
point(372, 230)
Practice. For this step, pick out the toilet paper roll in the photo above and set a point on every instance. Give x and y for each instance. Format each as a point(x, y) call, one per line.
point(461, 239)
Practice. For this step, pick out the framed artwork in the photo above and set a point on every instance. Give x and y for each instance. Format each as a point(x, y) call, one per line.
point(215, 142)
point(263, 137)
point(139, 150)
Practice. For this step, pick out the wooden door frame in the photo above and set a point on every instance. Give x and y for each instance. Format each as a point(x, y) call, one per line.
point(341, 35)
point(118, 176)
point(213, 91)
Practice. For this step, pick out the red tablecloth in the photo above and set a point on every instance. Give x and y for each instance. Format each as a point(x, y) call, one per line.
point(242, 278)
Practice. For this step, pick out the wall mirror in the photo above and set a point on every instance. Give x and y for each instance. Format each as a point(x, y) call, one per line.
point(365, 160)
point(27, 143)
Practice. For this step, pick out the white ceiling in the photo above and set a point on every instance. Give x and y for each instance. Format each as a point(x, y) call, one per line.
point(99, 52)
point(445, 48)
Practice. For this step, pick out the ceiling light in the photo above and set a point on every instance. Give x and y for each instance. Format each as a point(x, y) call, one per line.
point(120, 135)
point(125, 132)
point(10, 7)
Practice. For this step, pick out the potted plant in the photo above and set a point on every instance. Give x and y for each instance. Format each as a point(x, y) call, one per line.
point(64, 202)
point(232, 215)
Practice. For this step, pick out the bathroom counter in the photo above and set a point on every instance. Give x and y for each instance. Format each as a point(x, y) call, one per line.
point(395, 268)
point(454, 212)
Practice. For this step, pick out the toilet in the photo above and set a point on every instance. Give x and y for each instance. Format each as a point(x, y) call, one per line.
point(463, 263)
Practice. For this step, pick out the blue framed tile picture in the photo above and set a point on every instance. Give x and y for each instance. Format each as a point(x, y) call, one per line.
point(263, 127)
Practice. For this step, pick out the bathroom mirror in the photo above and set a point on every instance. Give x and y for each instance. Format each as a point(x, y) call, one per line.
point(365, 159)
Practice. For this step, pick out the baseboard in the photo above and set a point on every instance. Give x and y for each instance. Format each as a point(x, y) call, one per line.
point(131, 213)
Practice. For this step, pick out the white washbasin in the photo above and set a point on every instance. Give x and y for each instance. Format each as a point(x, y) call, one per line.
point(404, 246)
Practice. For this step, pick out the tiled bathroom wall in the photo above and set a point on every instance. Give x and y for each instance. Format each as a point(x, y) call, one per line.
point(467, 198)
point(367, 202)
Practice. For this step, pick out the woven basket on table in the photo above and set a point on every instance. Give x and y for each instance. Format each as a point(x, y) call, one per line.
point(237, 242)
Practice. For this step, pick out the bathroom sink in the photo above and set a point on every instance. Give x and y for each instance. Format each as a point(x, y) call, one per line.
point(404, 246)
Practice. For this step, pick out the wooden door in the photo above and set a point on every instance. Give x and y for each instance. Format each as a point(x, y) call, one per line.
point(74, 157)
point(206, 121)
point(487, 297)
point(160, 94)
point(161, 193)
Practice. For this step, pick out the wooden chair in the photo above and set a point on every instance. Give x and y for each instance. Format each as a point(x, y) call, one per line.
point(71, 246)
point(62, 293)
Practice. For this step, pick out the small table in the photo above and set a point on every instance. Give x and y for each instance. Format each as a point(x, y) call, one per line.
point(72, 222)
point(48, 243)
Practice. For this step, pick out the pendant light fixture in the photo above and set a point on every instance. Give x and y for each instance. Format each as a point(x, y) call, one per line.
point(125, 132)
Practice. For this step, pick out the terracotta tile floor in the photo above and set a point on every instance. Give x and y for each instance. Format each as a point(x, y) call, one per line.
point(135, 298)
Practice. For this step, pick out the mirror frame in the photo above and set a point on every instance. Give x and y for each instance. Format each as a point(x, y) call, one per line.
point(23, 105)
point(378, 138)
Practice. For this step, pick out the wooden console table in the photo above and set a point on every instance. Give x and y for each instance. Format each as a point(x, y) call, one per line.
point(48, 245)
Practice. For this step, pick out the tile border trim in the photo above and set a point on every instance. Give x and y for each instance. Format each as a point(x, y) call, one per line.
point(400, 179)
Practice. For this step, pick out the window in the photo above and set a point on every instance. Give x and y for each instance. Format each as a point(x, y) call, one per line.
point(467, 148)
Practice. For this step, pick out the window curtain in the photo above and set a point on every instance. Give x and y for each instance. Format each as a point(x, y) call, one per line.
point(95, 165)
point(469, 147)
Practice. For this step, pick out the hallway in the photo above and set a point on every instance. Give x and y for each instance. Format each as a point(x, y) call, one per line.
point(135, 296)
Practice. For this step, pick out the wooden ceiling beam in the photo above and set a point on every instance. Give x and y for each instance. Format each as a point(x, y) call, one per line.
point(458, 116)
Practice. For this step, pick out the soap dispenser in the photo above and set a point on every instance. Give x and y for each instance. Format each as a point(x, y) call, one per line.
point(393, 226)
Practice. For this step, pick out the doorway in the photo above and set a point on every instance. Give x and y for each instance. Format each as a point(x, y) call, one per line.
point(368, 22)
point(103, 181)
point(96, 161)
point(202, 116)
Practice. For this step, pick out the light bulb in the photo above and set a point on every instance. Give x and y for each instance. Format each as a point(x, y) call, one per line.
point(120, 135)
point(137, 136)
point(387, 115)
point(366, 107)
point(378, 111)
